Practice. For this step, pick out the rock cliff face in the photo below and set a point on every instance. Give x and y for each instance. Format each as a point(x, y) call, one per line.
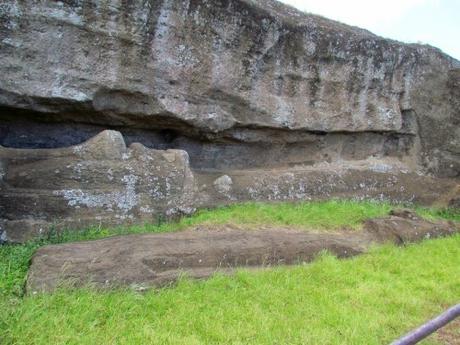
point(101, 181)
point(267, 103)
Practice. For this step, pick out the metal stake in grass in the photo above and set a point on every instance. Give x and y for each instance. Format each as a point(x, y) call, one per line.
point(430, 327)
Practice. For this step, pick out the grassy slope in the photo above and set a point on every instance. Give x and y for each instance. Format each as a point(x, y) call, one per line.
point(325, 215)
point(367, 300)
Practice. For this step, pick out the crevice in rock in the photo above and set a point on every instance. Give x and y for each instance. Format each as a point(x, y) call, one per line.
point(238, 148)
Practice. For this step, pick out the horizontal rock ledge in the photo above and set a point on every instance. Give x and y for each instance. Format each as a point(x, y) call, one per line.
point(142, 261)
point(216, 102)
point(221, 69)
point(103, 182)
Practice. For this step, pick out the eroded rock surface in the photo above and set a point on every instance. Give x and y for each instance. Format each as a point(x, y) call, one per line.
point(99, 182)
point(103, 182)
point(239, 70)
point(142, 261)
point(267, 102)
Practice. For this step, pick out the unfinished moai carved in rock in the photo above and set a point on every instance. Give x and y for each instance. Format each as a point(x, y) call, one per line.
point(143, 261)
point(267, 102)
point(101, 181)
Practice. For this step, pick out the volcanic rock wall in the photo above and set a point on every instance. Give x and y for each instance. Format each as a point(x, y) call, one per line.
point(264, 103)
point(99, 182)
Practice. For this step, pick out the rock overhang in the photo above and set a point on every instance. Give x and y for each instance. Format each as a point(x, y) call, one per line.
point(252, 91)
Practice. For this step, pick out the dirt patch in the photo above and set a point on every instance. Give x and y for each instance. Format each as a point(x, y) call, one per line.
point(158, 259)
point(450, 334)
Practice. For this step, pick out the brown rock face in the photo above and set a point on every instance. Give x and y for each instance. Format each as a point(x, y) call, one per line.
point(158, 259)
point(101, 181)
point(251, 90)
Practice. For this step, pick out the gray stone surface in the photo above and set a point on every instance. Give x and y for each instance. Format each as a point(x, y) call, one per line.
point(225, 69)
point(103, 182)
point(286, 105)
point(99, 182)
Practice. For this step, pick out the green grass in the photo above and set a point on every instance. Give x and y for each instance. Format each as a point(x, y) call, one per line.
point(320, 215)
point(366, 300)
point(370, 299)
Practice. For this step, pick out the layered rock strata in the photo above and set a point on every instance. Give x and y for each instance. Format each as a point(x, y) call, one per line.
point(267, 103)
point(103, 182)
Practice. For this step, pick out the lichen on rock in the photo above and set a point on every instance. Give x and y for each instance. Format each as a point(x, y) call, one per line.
point(124, 111)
